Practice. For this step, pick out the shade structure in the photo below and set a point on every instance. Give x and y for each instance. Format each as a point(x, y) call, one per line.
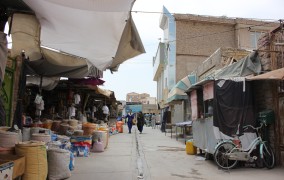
point(88, 81)
point(277, 74)
point(178, 91)
point(45, 62)
point(46, 83)
point(101, 31)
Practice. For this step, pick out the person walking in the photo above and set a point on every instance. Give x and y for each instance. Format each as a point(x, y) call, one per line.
point(130, 117)
point(140, 122)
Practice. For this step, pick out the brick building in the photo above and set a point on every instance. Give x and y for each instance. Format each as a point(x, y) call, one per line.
point(189, 40)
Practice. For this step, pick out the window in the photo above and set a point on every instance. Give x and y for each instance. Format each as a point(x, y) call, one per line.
point(254, 36)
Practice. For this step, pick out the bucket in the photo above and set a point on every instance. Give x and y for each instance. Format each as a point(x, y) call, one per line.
point(190, 148)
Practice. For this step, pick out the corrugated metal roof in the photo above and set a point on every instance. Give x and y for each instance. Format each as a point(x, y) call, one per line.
point(17, 5)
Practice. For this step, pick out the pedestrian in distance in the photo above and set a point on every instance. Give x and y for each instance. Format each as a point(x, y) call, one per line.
point(130, 117)
point(140, 122)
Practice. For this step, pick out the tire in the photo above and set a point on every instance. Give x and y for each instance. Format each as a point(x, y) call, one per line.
point(221, 158)
point(268, 156)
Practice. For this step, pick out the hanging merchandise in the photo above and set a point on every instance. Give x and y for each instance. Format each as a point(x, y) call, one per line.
point(58, 164)
point(38, 99)
point(40, 106)
point(36, 159)
point(71, 111)
point(77, 98)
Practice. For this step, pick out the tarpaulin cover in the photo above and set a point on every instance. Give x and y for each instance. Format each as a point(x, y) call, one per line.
point(233, 107)
point(247, 66)
point(100, 31)
point(203, 135)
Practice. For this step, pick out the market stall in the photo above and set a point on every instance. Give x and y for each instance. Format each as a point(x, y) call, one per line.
point(221, 104)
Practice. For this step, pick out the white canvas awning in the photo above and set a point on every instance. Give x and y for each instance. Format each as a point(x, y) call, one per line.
point(45, 62)
point(100, 31)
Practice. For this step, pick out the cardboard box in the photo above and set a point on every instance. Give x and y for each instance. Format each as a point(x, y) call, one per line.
point(19, 164)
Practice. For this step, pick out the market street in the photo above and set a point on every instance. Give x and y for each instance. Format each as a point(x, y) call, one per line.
point(154, 156)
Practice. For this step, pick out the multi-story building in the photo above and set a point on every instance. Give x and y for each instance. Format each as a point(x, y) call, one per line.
point(189, 40)
point(146, 103)
point(132, 97)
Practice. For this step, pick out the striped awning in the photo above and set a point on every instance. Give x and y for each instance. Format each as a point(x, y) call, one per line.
point(178, 91)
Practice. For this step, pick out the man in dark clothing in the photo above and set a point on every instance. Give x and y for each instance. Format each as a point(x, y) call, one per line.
point(129, 117)
point(166, 119)
point(140, 122)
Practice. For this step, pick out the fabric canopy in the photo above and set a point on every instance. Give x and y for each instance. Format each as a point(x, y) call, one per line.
point(178, 91)
point(88, 81)
point(45, 62)
point(47, 83)
point(98, 90)
point(100, 31)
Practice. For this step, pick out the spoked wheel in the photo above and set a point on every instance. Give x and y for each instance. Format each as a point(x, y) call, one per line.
point(268, 156)
point(221, 156)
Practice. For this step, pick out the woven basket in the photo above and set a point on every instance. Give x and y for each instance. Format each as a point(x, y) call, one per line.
point(73, 123)
point(8, 139)
point(55, 126)
point(65, 121)
point(47, 124)
point(41, 137)
point(35, 159)
point(89, 128)
point(63, 128)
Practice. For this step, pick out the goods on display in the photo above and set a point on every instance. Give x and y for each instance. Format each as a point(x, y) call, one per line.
point(36, 159)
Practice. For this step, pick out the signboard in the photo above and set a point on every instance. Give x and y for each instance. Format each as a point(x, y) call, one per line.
point(134, 108)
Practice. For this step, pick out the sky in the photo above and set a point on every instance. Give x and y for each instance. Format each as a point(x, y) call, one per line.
point(136, 74)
